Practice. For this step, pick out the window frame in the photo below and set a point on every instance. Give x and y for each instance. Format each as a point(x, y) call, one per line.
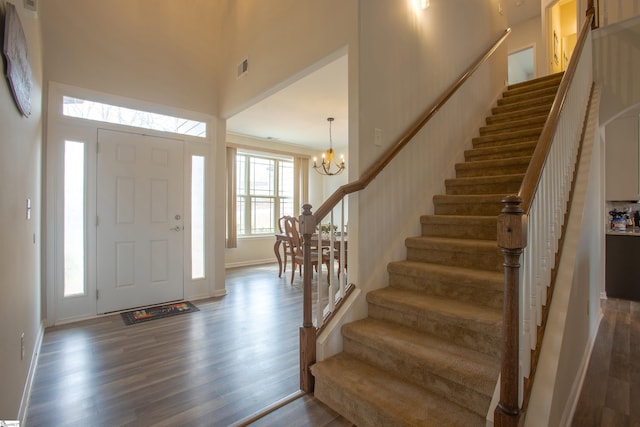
point(244, 210)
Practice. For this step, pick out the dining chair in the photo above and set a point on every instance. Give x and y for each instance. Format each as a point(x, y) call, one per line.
point(286, 243)
point(297, 249)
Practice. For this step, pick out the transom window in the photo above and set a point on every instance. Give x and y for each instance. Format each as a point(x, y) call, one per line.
point(264, 192)
point(91, 110)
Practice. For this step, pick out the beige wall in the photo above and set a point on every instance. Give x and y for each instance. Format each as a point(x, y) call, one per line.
point(616, 60)
point(280, 39)
point(137, 49)
point(527, 34)
point(20, 178)
point(613, 11)
point(407, 60)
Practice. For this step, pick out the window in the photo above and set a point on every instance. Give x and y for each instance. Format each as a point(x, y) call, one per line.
point(197, 217)
point(264, 192)
point(91, 110)
point(74, 200)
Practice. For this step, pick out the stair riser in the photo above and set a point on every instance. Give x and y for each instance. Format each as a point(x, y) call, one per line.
point(549, 89)
point(545, 101)
point(452, 330)
point(505, 144)
point(480, 259)
point(447, 287)
point(443, 207)
point(527, 96)
point(515, 135)
point(480, 169)
point(533, 123)
point(540, 83)
point(349, 405)
point(419, 374)
point(462, 231)
point(505, 118)
point(497, 188)
point(510, 135)
point(523, 150)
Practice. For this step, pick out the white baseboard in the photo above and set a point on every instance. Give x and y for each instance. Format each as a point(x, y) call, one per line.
point(251, 263)
point(219, 293)
point(26, 393)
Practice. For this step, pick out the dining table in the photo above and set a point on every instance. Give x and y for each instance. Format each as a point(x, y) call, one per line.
point(325, 242)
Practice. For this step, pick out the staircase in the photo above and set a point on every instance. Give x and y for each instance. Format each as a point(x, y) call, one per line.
point(429, 352)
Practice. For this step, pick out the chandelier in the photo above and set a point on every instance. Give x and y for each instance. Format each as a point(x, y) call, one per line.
point(329, 165)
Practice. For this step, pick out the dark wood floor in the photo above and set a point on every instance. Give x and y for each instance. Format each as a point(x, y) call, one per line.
point(610, 394)
point(239, 354)
point(235, 356)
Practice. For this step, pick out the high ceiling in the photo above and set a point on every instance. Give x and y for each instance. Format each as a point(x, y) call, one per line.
point(298, 113)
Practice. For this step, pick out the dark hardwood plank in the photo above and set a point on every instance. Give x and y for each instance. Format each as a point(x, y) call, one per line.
point(611, 387)
point(303, 412)
point(235, 356)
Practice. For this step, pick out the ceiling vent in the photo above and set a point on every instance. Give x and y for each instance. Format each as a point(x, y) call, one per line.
point(243, 68)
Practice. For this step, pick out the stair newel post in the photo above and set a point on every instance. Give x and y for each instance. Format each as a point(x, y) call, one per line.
point(307, 331)
point(511, 240)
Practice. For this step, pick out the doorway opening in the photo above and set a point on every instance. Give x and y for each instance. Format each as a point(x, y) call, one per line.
point(521, 66)
point(562, 34)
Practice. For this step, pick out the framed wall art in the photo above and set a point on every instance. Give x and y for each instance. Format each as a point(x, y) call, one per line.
point(18, 66)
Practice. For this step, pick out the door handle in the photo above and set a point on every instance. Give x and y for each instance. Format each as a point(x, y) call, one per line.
point(176, 228)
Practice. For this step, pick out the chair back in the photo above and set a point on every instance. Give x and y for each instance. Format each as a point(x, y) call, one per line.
point(291, 230)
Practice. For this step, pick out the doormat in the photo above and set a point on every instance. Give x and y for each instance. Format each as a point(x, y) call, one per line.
point(157, 312)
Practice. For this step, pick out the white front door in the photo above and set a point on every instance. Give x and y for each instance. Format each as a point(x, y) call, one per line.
point(140, 220)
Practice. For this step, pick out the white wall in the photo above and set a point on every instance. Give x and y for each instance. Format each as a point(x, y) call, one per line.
point(280, 39)
point(20, 239)
point(527, 34)
point(616, 61)
point(138, 49)
point(407, 60)
point(613, 11)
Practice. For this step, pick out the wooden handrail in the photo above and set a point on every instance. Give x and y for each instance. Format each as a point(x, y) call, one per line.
point(308, 220)
point(538, 159)
point(391, 152)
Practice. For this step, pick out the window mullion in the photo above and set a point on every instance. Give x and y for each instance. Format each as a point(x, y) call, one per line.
point(248, 197)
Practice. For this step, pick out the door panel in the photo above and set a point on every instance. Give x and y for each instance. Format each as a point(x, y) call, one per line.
point(140, 227)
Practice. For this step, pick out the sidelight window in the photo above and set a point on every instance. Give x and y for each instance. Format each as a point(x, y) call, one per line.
point(74, 215)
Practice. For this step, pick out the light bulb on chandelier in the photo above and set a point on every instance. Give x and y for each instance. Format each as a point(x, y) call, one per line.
point(329, 165)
